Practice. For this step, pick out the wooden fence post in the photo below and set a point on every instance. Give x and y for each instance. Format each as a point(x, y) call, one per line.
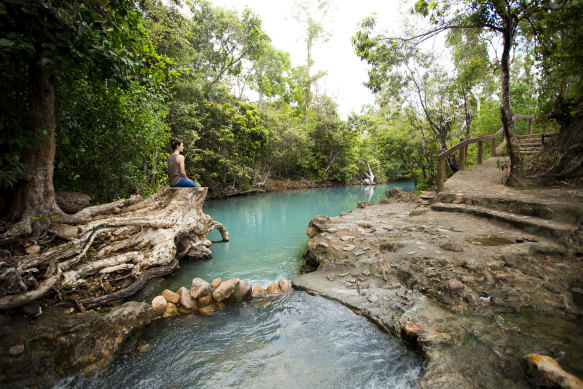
point(440, 172)
point(493, 150)
point(480, 151)
point(463, 151)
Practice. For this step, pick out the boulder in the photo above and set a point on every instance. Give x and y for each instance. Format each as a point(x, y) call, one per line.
point(171, 310)
point(72, 202)
point(225, 289)
point(257, 291)
point(410, 333)
point(242, 291)
point(199, 288)
point(393, 193)
point(185, 299)
point(204, 301)
point(317, 225)
point(170, 296)
point(273, 288)
point(284, 285)
point(544, 372)
point(216, 282)
point(159, 304)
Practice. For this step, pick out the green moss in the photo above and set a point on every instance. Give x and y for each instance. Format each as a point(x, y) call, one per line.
point(38, 342)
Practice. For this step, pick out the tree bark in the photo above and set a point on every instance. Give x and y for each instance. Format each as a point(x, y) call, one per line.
point(35, 197)
point(516, 173)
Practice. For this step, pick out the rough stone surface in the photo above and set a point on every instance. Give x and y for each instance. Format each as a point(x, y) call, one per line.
point(464, 296)
point(273, 288)
point(242, 291)
point(216, 282)
point(170, 296)
point(317, 225)
point(204, 301)
point(544, 372)
point(225, 289)
point(410, 333)
point(199, 288)
point(284, 285)
point(208, 309)
point(257, 291)
point(185, 299)
point(171, 311)
point(159, 305)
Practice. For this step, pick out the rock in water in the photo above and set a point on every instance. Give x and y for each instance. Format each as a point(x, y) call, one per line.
point(216, 282)
point(204, 301)
point(225, 289)
point(159, 304)
point(171, 310)
point(544, 372)
point(257, 291)
point(284, 285)
point(170, 296)
point(242, 291)
point(199, 288)
point(273, 288)
point(410, 333)
point(185, 299)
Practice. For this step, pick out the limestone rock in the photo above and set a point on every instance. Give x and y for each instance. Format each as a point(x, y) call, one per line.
point(257, 291)
point(330, 277)
point(184, 310)
point(171, 310)
point(284, 285)
point(393, 193)
point(410, 333)
point(170, 296)
point(317, 225)
point(450, 246)
point(544, 372)
point(159, 304)
point(208, 309)
point(185, 299)
point(72, 202)
point(216, 282)
point(273, 288)
point(433, 338)
point(242, 291)
point(427, 195)
point(225, 289)
point(199, 288)
point(204, 301)
point(390, 246)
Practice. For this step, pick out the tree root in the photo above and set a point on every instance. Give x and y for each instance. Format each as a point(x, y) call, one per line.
point(146, 238)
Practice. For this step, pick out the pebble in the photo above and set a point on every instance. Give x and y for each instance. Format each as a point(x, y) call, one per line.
point(330, 277)
point(350, 247)
point(343, 274)
point(16, 350)
point(366, 273)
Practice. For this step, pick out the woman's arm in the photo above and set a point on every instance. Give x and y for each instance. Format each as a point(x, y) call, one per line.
point(181, 163)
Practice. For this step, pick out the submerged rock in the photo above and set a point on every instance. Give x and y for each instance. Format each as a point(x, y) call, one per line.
point(273, 288)
point(257, 291)
point(242, 291)
point(284, 285)
point(204, 301)
point(171, 310)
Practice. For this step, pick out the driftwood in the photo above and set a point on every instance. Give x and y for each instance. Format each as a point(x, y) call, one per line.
point(135, 240)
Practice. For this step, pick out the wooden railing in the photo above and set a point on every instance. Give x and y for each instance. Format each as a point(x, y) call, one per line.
point(463, 148)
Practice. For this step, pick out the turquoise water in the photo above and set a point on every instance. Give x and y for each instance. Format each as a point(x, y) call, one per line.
point(290, 341)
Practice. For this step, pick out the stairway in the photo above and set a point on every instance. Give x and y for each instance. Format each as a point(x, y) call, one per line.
point(560, 221)
point(532, 144)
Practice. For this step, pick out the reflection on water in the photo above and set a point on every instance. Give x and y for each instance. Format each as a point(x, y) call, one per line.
point(298, 341)
point(295, 341)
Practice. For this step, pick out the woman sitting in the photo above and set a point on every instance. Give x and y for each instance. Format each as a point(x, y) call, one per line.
point(176, 173)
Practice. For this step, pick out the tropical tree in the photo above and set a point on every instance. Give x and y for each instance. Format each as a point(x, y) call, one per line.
point(65, 35)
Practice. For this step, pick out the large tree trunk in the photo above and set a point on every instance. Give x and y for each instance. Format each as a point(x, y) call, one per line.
point(516, 174)
point(111, 256)
point(35, 196)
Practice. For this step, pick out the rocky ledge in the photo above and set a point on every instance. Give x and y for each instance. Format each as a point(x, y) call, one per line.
point(482, 308)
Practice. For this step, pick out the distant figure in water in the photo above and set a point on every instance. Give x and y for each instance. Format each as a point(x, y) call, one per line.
point(176, 173)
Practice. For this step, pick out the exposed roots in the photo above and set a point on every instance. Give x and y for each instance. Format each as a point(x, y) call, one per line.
point(134, 242)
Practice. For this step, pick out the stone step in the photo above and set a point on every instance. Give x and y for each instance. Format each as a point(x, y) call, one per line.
point(569, 213)
point(564, 233)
